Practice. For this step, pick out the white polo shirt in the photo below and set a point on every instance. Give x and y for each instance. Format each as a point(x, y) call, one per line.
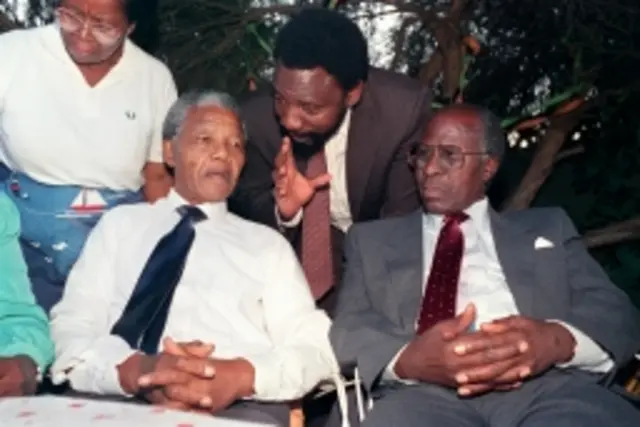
point(59, 130)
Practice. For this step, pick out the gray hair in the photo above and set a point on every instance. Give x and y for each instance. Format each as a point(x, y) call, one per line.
point(492, 137)
point(192, 99)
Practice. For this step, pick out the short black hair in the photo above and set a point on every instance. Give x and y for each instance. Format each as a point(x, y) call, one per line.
point(318, 37)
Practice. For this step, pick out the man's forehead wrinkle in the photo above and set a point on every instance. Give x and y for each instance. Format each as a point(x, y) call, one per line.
point(307, 86)
point(451, 128)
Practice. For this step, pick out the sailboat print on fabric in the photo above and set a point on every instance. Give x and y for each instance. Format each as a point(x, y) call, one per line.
point(88, 202)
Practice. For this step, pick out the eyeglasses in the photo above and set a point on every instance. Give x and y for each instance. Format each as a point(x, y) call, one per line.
point(71, 21)
point(447, 156)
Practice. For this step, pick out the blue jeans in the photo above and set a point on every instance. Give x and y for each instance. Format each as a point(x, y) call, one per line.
point(54, 232)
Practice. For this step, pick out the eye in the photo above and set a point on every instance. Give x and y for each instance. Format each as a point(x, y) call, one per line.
point(446, 152)
point(311, 109)
point(104, 27)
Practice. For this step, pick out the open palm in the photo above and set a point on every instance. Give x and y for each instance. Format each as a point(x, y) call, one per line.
point(293, 190)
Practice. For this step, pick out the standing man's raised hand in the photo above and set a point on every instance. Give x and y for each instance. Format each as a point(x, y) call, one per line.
point(292, 189)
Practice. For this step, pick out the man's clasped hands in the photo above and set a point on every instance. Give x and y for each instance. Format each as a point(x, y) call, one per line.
point(499, 355)
point(184, 376)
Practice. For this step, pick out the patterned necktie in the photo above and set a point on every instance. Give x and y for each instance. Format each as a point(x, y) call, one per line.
point(317, 261)
point(143, 319)
point(439, 301)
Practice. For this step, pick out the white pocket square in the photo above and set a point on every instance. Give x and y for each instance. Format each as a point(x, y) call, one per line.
point(542, 243)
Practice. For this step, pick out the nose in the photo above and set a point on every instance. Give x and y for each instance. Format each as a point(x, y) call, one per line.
point(432, 165)
point(291, 120)
point(84, 29)
point(219, 150)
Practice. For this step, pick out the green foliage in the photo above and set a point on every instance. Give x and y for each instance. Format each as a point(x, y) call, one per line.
point(209, 44)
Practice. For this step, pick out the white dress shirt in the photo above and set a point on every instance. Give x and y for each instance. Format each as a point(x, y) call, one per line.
point(483, 283)
point(335, 151)
point(59, 130)
point(242, 289)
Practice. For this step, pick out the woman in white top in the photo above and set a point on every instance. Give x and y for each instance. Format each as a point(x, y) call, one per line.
point(81, 110)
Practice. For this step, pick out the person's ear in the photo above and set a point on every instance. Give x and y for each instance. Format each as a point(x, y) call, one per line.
point(491, 167)
point(131, 29)
point(354, 95)
point(168, 153)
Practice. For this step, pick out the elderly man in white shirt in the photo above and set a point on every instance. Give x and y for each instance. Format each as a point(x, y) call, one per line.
point(240, 288)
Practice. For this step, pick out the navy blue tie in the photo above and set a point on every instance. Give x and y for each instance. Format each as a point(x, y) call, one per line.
point(143, 319)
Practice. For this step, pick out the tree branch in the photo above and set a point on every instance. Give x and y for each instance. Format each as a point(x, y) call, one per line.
point(615, 233)
point(399, 40)
point(578, 149)
point(544, 158)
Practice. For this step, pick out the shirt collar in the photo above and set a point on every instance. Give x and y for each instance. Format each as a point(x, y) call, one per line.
point(478, 216)
point(343, 130)
point(339, 138)
point(213, 210)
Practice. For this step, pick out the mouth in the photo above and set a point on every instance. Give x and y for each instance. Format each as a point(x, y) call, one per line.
point(218, 174)
point(432, 192)
point(301, 138)
point(82, 48)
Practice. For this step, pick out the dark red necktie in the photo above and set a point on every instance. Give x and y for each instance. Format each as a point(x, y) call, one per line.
point(317, 261)
point(439, 301)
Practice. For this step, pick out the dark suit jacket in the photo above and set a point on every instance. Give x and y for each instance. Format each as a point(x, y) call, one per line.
point(390, 116)
point(381, 292)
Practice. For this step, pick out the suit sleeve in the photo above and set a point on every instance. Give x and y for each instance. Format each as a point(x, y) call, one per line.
point(401, 195)
point(599, 309)
point(360, 335)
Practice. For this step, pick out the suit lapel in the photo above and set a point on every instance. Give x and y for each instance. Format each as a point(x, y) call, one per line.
point(516, 252)
point(364, 140)
point(403, 255)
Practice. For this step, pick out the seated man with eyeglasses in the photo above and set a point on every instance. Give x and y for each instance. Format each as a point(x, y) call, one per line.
point(457, 315)
point(81, 111)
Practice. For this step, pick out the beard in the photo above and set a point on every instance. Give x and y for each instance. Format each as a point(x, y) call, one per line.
point(312, 142)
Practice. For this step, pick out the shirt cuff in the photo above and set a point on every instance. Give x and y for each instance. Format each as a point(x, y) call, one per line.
point(588, 355)
point(389, 374)
point(265, 366)
point(292, 223)
point(95, 370)
point(41, 357)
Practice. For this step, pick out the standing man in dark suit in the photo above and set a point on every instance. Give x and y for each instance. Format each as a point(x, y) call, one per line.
point(464, 317)
point(328, 144)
